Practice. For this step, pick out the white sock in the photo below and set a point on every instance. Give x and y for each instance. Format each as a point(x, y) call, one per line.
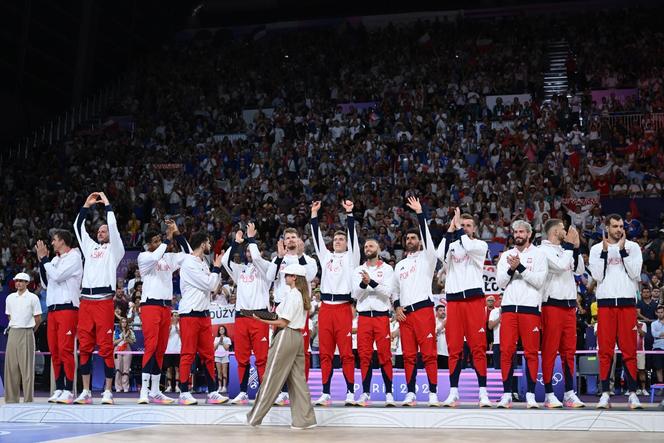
point(145, 381)
point(154, 385)
point(483, 392)
point(454, 391)
point(568, 394)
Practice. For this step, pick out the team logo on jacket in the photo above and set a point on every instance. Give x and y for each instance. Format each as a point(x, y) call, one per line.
point(248, 277)
point(535, 329)
point(379, 274)
point(334, 266)
point(68, 333)
point(430, 335)
point(163, 266)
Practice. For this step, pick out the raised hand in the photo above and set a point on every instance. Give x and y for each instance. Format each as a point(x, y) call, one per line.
point(621, 242)
point(348, 205)
point(217, 260)
point(104, 199)
point(315, 207)
point(514, 261)
point(281, 249)
point(171, 228)
point(573, 236)
point(91, 200)
point(414, 204)
point(605, 240)
point(300, 247)
point(239, 236)
point(251, 230)
point(42, 250)
point(457, 218)
point(365, 277)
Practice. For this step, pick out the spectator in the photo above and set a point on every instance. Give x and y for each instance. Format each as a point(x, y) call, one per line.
point(123, 339)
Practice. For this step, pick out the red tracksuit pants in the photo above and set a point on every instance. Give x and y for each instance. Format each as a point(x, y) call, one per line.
point(61, 334)
point(250, 335)
point(372, 330)
point(196, 336)
point(617, 323)
point(466, 318)
point(419, 331)
point(515, 326)
point(335, 324)
point(156, 324)
point(558, 336)
point(95, 327)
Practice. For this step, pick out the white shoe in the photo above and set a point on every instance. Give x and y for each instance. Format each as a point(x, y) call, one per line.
point(54, 398)
point(604, 401)
point(241, 399)
point(325, 400)
point(282, 399)
point(143, 398)
point(302, 428)
point(451, 400)
point(85, 398)
point(177, 389)
point(365, 400)
point(552, 402)
point(634, 402)
point(168, 389)
point(107, 398)
point(570, 400)
point(389, 400)
point(160, 399)
point(485, 402)
point(530, 401)
point(505, 401)
point(410, 400)
point(350, 399)
point(66, 398)
point(215, 398)
point(433, 400)
point(187, 399)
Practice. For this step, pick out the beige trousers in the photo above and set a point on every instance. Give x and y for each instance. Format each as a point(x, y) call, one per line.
point(285, 362)
point(20, 365)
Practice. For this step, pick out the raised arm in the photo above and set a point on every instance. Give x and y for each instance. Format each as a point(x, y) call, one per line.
point(148, 260)
point(353, 246)
point(265, 267)
point(70, 266)
point(632, 258)
point(199, 278)
point(115, 240)
point(319, 242)
point(84, 239)
point(227, 259)
point(427, 243)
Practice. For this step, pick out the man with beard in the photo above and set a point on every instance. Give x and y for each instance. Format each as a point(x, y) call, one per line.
point(466, 309)
point(335, 318)
point(196, 284)
point(96, 313)
point(414, 309)
point(290, 250)
point(615, 264)
point(253, 280)
point(372, 288)
point(521, 272)
point(561, 249)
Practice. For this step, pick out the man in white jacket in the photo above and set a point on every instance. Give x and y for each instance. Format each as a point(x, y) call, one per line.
point(521, 272)
point(96, 314)
point(615, 264)
point(253, 279)
point(464, 255)
point(372, 288)
point(335, 318)
point(561, 249)
point(156, 267)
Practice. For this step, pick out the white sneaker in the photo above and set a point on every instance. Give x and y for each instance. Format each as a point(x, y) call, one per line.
point(160, 399)
point(54, 398)
point(282, 399)
point(530, 401)
point(241, 399)
point(451, 400)
point(552, 402)
point(485, 402)
point(177, 389)
point(570, 400)
point(168, 389)
point(187, 399)
point(604, 401)
point(85, 398)
point(634, 402)
point(143, 397)
point(410, 400)
point(350, 399)
point(215, 398)
point(325, 400)
point(389, 400)
point(302, 428)
point(365, 400)
point(107, 398)
point(66, 398)
point(433, 400)
point(505, 401)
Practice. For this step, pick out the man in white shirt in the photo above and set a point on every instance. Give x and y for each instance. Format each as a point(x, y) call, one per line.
point(561, 249)
point(197, 282)
point(253, 280)
point(156, 267)
point(61, 276)
point(24, 312)
point(372, 288)
point(335, 319)
point(521, 272)
point(96, 311)
point(615, 264)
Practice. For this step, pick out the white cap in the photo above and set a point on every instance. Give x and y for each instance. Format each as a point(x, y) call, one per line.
point(294, 269)
point(22, 276)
